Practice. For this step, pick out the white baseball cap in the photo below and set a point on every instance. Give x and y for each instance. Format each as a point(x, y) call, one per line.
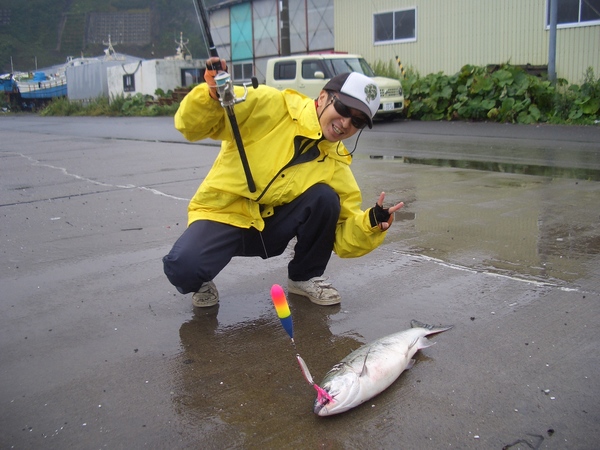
point(357, 91)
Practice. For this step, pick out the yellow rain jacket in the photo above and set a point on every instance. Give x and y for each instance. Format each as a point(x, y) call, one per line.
point(286, 153)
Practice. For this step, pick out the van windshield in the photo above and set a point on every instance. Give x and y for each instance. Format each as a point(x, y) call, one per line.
point(336, 66)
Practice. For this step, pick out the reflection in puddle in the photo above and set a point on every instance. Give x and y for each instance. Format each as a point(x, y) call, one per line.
point(240, 386)
point(538, 227)
point(502, 167)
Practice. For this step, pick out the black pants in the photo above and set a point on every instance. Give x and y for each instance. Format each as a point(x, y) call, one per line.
point(206, 247)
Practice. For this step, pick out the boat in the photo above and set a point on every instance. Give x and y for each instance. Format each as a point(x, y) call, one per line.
point(7, 83)
point(41, 86)
point(49, 83)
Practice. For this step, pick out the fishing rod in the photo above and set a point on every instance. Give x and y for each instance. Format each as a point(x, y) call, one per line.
point(285, 316)
point(226, 94)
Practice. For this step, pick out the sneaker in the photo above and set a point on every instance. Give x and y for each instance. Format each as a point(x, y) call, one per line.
point(317, 289)
point(206, 296)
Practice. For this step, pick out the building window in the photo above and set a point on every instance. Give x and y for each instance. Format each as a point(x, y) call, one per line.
point(128, 83)
point(242, 71)
point(575, 12)
point(395, 26)
point(191, 76)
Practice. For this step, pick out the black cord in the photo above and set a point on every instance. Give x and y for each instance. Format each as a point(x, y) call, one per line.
point(355, 145)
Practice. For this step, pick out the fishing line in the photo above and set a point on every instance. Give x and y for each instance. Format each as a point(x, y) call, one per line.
point(285, 316)
point(201, 26)
point(263, 244)
point(378, 16)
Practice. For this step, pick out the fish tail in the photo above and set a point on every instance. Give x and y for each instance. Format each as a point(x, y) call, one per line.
point(433, 329)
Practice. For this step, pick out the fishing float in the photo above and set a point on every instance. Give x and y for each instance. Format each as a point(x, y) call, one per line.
point(283, 310)
point(285, 316)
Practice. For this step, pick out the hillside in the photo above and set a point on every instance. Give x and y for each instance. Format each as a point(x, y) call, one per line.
point(43, 33)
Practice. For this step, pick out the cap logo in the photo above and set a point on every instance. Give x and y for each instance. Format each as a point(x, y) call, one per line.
point(371, 92)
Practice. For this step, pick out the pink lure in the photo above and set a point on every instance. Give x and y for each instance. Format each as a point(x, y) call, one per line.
point(323, 396)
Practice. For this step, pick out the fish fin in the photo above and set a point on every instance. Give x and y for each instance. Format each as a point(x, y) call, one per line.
point(414, 342)
point(420, 342)
point(433, 329)
point(364, 371)
point(410, 364)
point(423, 342)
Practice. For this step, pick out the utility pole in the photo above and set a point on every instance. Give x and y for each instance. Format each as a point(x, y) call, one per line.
point(285, 28)
point(552, 42)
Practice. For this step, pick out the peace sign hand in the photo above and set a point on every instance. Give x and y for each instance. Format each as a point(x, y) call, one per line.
point(383, 217)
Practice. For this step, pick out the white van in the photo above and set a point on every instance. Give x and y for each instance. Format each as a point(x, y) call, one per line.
point(309, 73)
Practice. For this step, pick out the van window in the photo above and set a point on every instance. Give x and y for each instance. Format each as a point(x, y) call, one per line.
point(285, 70)
point(337, 66)
point(309, 67)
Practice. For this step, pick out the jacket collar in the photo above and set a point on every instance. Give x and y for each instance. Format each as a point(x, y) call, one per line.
point(302, 109)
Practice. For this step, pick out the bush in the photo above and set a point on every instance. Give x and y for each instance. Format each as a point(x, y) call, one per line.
point(137, 105)
point(502, 93)
point(61, 106)
point(388, 70)
point(578, 104)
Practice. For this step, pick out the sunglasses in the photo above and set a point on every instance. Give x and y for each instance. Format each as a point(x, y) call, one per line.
point(357, 122)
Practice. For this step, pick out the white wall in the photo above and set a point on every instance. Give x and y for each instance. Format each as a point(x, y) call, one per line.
point(149, 75)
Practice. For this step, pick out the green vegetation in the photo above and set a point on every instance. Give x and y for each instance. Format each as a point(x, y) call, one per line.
point(501, 94)
point(137, 105)
point(39, 33)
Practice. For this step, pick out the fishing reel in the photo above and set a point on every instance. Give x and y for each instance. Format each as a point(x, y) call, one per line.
point(225, 89)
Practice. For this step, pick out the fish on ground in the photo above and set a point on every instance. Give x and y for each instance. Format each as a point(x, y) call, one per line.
point(372, 368)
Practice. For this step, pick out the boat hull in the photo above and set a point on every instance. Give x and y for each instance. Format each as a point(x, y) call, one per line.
point(43, 89)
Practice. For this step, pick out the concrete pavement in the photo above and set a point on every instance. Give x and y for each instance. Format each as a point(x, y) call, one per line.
point(98, 350)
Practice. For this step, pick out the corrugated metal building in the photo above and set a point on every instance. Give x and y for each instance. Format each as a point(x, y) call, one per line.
point(443, 35)
point(247, 33)
point(427, 35)
point(90, 80)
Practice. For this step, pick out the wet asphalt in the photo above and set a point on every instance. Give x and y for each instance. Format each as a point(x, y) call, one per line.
point(500, 236)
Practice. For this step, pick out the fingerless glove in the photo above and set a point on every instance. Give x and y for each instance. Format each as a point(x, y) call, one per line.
point(378, 214)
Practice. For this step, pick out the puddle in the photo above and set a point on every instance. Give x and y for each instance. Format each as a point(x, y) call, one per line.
point(502, 167)
point(238, 384)
point(495, 220)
